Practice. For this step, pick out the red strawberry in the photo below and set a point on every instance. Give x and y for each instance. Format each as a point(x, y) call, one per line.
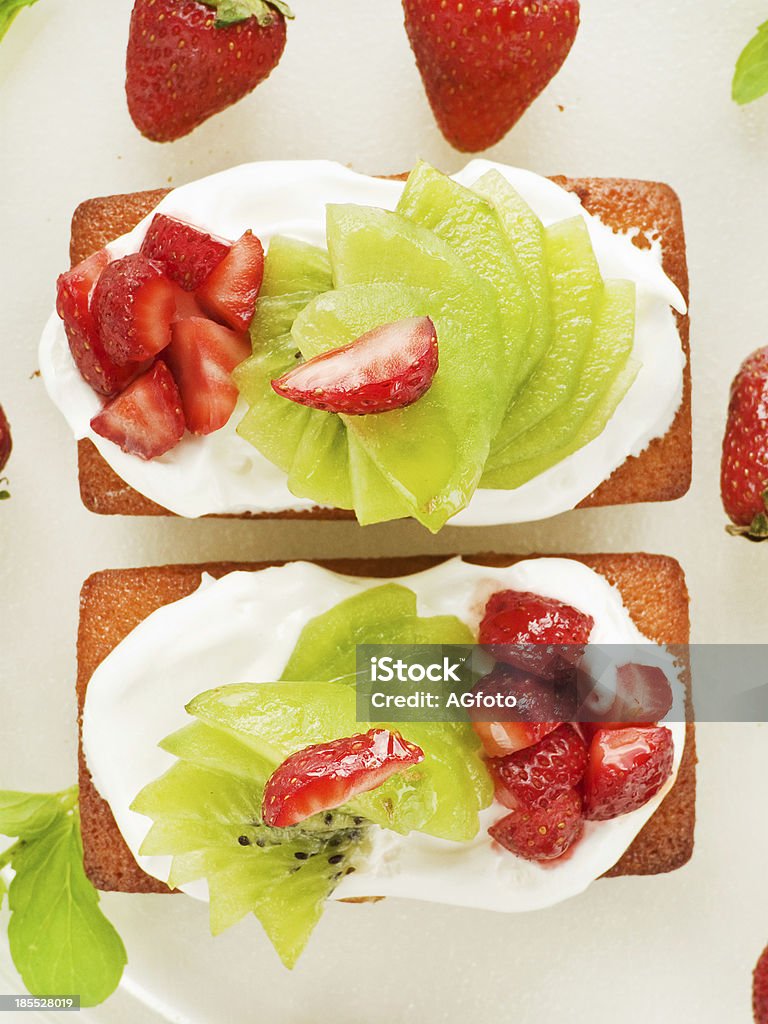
point(626, 768)
point(187, 60)
point(534, 775)
point(483, 63)
point(543, 832)
point(327, 775)
point(6, 442)
point(760, 990)
point(643, 694)
point(202, 356)
point(744, 466)
point(229, 294)
point(541, 706)
point(533, 633)
point(387, 368)
point(146, 419)
point(186, 255)
point(133, 306)
point(74, 290)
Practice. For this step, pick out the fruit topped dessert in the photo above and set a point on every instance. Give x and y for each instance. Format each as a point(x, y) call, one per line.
point(472, 349)
point(225, 735)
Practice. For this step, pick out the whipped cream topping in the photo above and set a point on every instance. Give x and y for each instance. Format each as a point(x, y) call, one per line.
point(222, 473)
point(244, 627)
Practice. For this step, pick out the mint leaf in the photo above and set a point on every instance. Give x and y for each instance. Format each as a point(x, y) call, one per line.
point(29, 814)
point(8, 11)
point(750, 81)
point(60, 941)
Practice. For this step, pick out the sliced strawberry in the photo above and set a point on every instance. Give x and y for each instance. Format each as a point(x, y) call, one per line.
point(229, 294)
point(133, 305)
point(146, 419)
point(185, 254)
point(202, 356)
point(390, 367)
point(543, 832)
point(536, 774)
point(760, 990)
point(626, 767)
point(327, 775)
point(541, 706)
point(186, 304)
point(534, 633)
point(74, 290)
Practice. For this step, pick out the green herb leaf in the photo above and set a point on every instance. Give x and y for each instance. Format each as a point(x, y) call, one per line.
point(30, 814)
point(60, 941)
point(751, 78)
point(8, 11)
point(229, 12)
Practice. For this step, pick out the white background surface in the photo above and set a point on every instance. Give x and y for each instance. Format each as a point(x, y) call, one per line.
point(646, 94)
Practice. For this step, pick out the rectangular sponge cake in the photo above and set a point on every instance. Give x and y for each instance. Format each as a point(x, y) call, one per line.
point(115, 601)
point(650, 210)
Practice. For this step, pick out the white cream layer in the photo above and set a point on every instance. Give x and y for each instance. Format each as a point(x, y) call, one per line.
point(222, 473)
point(243, 629)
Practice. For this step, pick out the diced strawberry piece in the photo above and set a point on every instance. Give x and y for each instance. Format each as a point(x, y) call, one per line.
point(186, 304)
point(202, 356)
point(535, 774)
point(133, 305)
point(229, 294)
point(387, 368)
point(147, 418)
point(760, 990)
point(327, 775)
point(643, 694)
point(74, 290)
point(534, 633)
point(541, 706)
point(543, 832)
point(626, 767)
point(185, 254)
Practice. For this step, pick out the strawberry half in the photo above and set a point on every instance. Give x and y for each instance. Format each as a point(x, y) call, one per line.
point(626, 767)
point(146, 419)
point(74, 291)
point(744, 466)
point(643, 694)
point(187, 60)
point(387, 368)
point(760, 990)
point(185, 254)
point(327, 775)
point(202, 356)
point(543, 832)
point(533, 633)
point(229, 293)
point(483, 63)
point(133, 306)
point(533, 776)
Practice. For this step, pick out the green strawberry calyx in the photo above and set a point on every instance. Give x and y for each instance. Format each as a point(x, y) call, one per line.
point(229, 12)
point(758, 528)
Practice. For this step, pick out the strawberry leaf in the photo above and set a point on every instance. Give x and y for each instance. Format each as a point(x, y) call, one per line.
point(8, 11)
point(228, 12)
point(750, 81)
point(59, 939)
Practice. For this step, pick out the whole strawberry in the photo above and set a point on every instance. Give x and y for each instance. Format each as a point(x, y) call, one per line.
point(760, 990)
point(188, 60)
point(6, 444)
point(744, 467)
point(483, 62)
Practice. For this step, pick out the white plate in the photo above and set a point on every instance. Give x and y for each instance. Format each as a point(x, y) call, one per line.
point(646, 94)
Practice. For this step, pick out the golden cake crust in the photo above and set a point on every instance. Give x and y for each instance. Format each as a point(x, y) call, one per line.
point(115, 601)
point(650, 209)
